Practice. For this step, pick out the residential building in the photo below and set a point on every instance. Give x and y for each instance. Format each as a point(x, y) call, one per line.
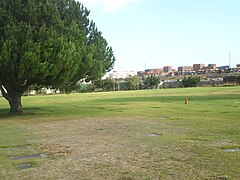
point(167, 69)
point(141, 73)
point(153, 71)
point(198, 67)
point(185, 68)
point(210, 67)
point(223, 67)
point(120, 74)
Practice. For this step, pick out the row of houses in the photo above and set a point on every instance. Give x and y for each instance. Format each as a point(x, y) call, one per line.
point(158, 71)
point(168, 70)
point(198, 67)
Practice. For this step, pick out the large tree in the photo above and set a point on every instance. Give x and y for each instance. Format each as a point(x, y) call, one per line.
point(151, 81)
point(134, 82)
point(48, 43)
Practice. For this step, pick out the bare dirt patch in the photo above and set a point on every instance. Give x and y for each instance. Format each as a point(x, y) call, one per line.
point(53, 149)
point(99, 148)
point(111, 148)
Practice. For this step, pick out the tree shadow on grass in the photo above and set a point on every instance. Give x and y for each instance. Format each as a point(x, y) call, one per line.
point(117, 105)
point(4, 113)
point(29, 111)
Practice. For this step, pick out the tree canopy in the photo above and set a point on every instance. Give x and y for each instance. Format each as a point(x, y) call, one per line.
point(151, 81)
point(134, 83)
point(48, 43)
point(190, 81)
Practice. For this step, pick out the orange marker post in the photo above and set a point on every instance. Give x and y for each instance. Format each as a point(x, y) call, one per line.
point(186, 100)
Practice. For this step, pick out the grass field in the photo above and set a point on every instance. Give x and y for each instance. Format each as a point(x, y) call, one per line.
point(105, 135)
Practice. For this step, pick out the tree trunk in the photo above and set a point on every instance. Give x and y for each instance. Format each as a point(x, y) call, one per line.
point(13, 97)
point(15, 104)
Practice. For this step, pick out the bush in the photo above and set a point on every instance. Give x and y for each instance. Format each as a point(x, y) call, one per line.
point(190, 81)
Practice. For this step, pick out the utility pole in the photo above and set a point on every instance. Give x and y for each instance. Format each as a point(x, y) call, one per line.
point(229, 59)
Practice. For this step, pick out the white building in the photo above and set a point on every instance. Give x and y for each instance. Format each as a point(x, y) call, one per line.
point(120, 74)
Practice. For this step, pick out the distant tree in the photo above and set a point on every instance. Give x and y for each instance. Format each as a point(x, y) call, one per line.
point(48, 43)
point(133, 83)
point(190, 81)
point(232, 79)
point(151, 81)
point(238, 80)
point(106, 84)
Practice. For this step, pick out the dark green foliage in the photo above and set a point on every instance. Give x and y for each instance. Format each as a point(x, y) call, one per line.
point(232, 80)
point(48, 43)
point(190, 81)
point(134, 83)
point(238, 80)
point(106, 85)
point(151, 81)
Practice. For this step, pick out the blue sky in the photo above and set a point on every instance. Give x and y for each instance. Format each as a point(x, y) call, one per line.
point(157, 33)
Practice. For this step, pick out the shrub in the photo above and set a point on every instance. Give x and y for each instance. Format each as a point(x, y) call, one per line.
point(191, 81)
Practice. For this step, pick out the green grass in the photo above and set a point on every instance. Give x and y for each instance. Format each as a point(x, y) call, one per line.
point(107, 134)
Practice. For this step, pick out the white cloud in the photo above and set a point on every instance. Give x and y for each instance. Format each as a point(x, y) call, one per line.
point(109, 5)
